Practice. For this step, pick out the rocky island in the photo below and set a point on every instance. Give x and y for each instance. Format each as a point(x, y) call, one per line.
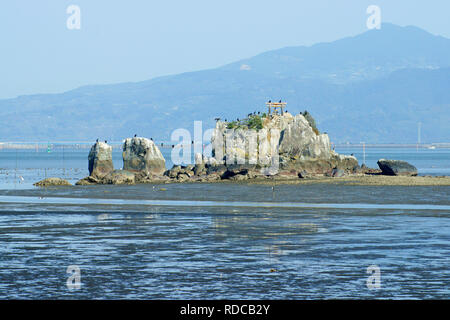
point(273, 147)
point(277, 146)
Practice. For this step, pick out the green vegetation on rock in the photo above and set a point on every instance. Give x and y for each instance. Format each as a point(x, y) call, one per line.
point(255, 122)
point(311, 121)
point(232, 125)
point(252, 122)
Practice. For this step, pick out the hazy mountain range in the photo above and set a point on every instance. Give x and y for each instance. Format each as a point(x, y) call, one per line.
point(374, 87)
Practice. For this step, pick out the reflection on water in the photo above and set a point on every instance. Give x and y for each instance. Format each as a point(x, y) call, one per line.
point(260, 227)
point(219, 241)
point(41, 201)
point(187, 252)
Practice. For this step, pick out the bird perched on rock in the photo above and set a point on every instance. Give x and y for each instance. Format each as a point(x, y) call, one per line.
point(106, 141)
point(135, 135)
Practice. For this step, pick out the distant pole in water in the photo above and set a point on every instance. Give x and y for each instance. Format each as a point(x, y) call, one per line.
point(15, 171)
point(273, 187)
point(64, 165)
point(419, 127)
point(364, 153)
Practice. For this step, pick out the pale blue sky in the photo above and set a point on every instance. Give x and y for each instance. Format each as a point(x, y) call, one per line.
point(136, 40)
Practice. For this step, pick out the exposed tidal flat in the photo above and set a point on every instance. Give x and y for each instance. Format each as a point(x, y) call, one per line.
point(366, 180)
point(230, 240)
point(225, 241)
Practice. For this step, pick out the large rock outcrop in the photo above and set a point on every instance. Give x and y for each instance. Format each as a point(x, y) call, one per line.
point(100, 160)
point(143, 162)
point(396, 168)
point(143, 156)
point(119, 177)
point(283, 142)
point(299, 140)
point(284, 147)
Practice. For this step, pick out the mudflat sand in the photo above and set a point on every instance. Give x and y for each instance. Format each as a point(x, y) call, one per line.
point(363, 180)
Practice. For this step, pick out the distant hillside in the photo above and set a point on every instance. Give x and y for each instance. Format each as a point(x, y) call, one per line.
point(366, 56)
point(374, 87)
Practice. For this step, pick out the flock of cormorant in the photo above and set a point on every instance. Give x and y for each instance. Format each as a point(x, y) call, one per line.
point(250, 114)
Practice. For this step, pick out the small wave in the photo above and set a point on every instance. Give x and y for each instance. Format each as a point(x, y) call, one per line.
point(196, 203)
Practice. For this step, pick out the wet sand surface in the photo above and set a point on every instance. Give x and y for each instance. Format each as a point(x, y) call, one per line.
point(305, 193)
point(236, 242)
point(309, 239)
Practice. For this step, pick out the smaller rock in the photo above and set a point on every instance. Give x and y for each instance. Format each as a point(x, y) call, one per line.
point(51, 182)
point(185, 171)
point(210, 177)
point(287, 175)
point(199, 169)
point(231, 173)
point(100, 160)
point(252, 175)
point(182, 177)
point(173, 173)
point(303, 174)
point(176, 168)
point(239, 177)
point(356, 170)
point(337, 173)
point(198, 158)
point(210, 161)
point(157, 178)
point(119, 177)
point(87, 181)
point(219, 169)
point(396, 168)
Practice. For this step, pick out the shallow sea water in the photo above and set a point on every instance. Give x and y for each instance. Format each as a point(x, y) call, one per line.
point(223, 241)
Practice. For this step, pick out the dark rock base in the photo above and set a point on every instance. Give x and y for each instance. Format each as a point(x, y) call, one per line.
point(396, 168)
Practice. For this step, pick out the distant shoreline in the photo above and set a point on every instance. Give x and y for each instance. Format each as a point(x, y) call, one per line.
point(168, 144)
